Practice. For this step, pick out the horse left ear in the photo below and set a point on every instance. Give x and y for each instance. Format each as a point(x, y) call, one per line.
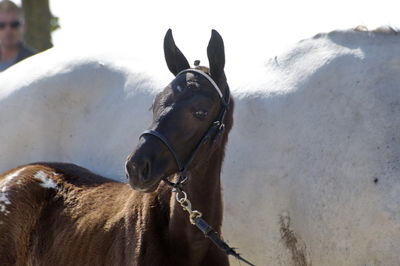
point(216, 56)
point(175, 59)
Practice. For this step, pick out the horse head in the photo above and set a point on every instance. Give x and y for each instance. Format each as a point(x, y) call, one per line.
point(187, 117)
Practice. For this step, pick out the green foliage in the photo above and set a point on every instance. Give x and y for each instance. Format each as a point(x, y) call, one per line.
point(54, 23)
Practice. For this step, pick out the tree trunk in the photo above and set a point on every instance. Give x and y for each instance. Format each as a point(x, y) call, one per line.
point(38, 24)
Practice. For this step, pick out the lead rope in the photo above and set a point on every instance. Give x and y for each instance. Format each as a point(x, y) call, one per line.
point(202, 225)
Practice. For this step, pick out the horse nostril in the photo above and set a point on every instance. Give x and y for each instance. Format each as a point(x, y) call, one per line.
point(140, 171)
point(130, 170)
point(145, 171)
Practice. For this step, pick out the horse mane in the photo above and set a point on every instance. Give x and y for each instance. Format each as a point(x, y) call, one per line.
point(361, 29)
point(382, 29)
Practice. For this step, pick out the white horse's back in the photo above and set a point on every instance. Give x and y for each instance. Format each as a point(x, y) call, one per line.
point(89, 111)
point(317, 159)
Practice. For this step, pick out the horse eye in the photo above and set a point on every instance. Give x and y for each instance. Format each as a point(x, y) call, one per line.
point(201, 114)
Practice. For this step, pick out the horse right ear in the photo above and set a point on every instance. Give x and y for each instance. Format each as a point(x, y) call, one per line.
point(216, 56)
point(176, 61)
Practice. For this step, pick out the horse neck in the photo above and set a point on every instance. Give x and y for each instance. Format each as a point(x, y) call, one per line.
point(204, 192)
point(204, 189)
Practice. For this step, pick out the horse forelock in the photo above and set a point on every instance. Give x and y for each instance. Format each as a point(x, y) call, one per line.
point(203, 68)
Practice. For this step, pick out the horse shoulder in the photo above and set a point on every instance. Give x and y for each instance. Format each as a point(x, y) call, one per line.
point(65, 213)
point(89, 215)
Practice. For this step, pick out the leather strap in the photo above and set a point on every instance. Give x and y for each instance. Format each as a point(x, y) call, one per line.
point(207, 77)
point(166, 142)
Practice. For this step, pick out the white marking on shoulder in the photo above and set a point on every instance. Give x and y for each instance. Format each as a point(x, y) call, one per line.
point(10, 177)
point(4, 200)
point(46, 181)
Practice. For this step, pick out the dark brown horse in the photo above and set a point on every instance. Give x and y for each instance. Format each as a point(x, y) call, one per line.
point(62, 214)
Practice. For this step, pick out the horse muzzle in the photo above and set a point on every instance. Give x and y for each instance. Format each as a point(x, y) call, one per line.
point(139, 174)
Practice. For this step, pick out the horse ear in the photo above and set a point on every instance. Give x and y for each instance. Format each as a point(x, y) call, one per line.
point(216, 55)
point(176, 61)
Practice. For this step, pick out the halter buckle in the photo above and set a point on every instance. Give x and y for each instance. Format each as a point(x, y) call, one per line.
point(178, 186)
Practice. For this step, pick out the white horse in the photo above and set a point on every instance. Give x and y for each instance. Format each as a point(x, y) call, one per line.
point(311, 174)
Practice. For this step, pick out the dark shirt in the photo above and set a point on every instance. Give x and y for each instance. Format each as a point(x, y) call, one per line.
point(24, 52)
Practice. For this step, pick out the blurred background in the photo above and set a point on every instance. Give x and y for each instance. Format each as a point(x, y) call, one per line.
point(253, 30)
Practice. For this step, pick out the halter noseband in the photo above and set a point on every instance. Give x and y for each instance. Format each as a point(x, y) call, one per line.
point(216, 127)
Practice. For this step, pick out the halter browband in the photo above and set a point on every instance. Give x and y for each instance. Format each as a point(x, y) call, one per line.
point(216, 126)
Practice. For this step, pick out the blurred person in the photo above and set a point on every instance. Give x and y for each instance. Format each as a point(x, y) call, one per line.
point(12, 49)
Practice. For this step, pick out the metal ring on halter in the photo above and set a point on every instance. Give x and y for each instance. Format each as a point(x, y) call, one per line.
point(183, 199)
point(178, 185)
point(183, 180)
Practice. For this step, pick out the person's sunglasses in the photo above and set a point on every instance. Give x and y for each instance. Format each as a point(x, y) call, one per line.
point(13, 24)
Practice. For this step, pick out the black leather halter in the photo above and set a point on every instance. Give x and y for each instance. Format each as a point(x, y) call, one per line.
point(215, 130)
